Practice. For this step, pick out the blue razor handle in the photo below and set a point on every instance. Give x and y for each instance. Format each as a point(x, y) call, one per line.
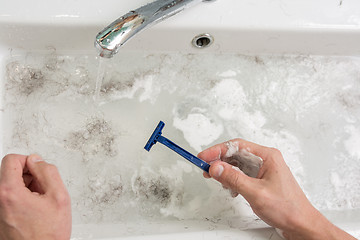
point(157, 137)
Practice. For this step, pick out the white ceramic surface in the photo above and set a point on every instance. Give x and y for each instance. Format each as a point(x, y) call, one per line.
point(319, 27)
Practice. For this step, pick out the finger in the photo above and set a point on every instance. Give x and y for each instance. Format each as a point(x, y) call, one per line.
point(256, 149)
point(35, 187)
point(218, 151)
point(25, 170)
point(206, 175)
point(27, 179)
point(46, 176)
point(234, 179)
point(12, 167)
point(213, 153)
point(234, 194)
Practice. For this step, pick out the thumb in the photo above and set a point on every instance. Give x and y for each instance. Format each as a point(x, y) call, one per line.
point(233, 178)
point(46, 177)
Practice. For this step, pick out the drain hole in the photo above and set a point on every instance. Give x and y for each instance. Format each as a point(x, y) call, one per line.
point(202, 41)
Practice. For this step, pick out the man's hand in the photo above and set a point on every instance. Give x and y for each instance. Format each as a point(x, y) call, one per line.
point(34, 203)
point(274, 195)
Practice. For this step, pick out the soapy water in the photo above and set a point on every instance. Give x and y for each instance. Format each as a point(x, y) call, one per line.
point(307, 106)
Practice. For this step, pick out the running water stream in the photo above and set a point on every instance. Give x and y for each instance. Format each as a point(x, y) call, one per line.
point(100, 77)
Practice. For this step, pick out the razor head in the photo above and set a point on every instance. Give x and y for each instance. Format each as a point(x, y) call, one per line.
point(153, 139)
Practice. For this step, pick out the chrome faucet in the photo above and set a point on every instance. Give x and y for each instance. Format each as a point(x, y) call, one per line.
point(109, 40)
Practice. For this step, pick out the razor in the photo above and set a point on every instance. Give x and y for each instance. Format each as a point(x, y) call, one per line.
point(157, 137)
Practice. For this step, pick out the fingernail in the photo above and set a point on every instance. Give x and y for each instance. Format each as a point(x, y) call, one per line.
point(36, 160)
point(218, 171)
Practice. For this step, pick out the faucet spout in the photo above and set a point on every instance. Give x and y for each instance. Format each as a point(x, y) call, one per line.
point(111, 38)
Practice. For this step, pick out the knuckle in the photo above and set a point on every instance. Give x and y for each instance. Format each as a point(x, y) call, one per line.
point(7, 196)
point(3, 193)
point(237, 140)
point(234, 181)
point(51, 169)
point(8, 157)
point(62, 200)
point(274, 155)
point(275, 152)
point(261, 196)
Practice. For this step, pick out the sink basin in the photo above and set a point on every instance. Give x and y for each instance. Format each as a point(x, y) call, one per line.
point(280, 74)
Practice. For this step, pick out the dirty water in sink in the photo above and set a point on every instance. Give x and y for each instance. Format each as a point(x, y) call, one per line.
point(307, 106)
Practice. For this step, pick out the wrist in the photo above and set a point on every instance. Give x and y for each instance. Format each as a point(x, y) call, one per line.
point(315, 227)
point(312, 226)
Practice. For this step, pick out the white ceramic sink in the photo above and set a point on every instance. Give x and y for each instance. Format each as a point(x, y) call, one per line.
point(283, 74)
